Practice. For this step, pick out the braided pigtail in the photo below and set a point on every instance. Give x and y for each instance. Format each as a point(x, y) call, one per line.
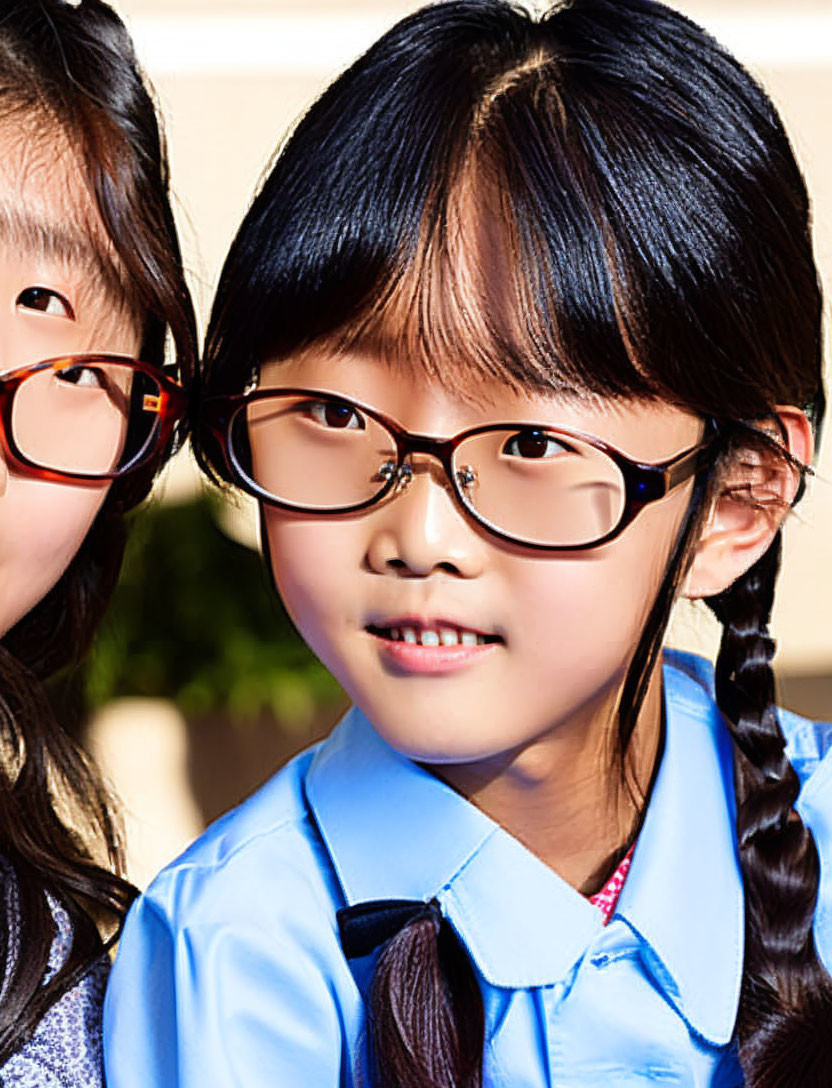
point(786, 1004)
point(426, 1014)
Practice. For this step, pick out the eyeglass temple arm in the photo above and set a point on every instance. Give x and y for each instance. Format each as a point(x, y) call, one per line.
point(678, 471)
point(213, 415)
point(651, 482)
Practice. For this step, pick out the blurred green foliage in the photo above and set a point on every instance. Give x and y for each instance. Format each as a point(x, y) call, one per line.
point(195, 620)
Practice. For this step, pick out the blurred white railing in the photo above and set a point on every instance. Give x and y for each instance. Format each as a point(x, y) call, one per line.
point(326, 42)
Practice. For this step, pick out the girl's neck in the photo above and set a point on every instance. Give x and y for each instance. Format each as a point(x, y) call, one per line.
point(564, 796)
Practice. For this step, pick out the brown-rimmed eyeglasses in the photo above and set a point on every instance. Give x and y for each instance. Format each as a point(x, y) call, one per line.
point(87, 417)
point(544, 487)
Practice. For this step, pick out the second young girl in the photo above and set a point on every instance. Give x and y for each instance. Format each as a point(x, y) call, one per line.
point(519, 343)
point(91, 284)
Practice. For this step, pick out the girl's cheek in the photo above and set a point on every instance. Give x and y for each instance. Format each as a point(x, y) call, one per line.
point(310, 565)
point(42, 526)
point(596, 601)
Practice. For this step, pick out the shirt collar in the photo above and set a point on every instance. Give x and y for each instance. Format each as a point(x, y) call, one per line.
point(684, 894)
point(394, 831)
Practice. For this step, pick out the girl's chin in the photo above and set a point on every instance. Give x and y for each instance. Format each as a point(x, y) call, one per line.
point(436, 738)
point(10, 616)
point(14, 608)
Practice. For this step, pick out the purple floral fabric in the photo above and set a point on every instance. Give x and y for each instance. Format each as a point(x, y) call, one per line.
point(65, 1049)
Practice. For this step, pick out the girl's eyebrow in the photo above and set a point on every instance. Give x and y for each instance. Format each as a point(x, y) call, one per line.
point(67, 244)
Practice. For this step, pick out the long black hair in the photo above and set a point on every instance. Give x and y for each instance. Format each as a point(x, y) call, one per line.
point(630, 190)
point(69, 71)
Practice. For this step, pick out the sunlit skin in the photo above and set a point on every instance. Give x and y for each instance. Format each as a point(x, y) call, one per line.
point(524, 727)
point(54, 300)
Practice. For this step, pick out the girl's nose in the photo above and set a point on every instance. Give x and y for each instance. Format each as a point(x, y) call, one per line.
point(421, 530)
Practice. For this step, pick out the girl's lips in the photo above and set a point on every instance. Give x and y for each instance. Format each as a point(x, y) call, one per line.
point(431, 649)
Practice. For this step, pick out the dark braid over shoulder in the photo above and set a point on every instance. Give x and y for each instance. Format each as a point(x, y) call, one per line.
point(786, 1005)
point(426, 1021)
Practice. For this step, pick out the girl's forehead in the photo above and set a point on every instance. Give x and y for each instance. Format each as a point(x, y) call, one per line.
point(39, 165)
point(46, 210)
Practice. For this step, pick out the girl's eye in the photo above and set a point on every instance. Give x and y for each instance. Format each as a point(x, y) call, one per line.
point(45, 301)
point(85, 376)
point(335, 414)
point(533, 444)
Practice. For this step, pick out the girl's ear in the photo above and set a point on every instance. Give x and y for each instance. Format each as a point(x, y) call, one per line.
point(755, 494)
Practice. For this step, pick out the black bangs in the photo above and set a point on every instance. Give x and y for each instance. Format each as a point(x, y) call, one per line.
point(600, 201)
point(359, 186)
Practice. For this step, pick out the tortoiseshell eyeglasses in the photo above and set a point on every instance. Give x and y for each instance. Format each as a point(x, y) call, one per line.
point(87, 417)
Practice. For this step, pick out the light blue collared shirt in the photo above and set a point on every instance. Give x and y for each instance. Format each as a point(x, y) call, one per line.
point(230, 971)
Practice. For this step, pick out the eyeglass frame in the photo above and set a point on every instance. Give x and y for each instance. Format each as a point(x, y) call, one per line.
point(644, 482)
point(171, 407)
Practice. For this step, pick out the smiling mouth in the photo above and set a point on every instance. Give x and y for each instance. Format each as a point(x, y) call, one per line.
point(433, 636)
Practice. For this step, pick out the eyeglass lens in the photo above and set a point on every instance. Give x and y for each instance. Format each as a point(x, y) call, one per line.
point(533, 484)
point(316, 454)
point(540, 487)
point(87, 418)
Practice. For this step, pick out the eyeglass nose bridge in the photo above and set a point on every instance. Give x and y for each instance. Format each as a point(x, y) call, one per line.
point(404, 476)
point(400, 475)
point(462, 479)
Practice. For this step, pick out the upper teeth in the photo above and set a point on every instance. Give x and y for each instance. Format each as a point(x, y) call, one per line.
point(435, 636)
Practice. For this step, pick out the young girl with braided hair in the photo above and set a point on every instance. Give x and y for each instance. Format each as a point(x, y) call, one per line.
point(519, 343)
point(91, 285)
